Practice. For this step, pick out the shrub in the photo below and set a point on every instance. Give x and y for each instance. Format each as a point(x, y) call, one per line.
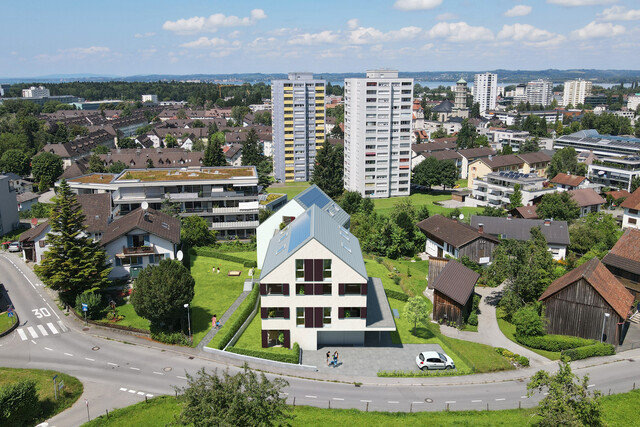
point(229, 329)
point(554, 342)
point(473, 319)
point(94, 304)
point(523, 361)
point(476, 302)
point(396, 279)
point(170, 337)
point(379, 260)
point(409, 374)
point(401, 296)
point(19, 404)
point(597, 349)
point(528, 322)
point(292, 357)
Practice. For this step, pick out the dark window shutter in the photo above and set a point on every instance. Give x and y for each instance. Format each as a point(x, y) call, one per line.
point(308, 288)
point(129, 241)
point(340, 312)
point(363, 312)
point(317, 270)
point(308, 317)
point(341, 289)
point(265, 339)
point(308, 270)
point(318, 317)
point(363, 289)
point(263, 312)
point(286, 312)
point(285, 289)
point(317, 289)
point(263, 288)
point(118, 261)
point(287, 338)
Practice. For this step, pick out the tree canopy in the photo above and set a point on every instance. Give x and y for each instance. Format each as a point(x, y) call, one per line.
point(16, 161)
point(558, 205)
point(195, 232)
point(432, 172)
point(46, 168)
point(566, 161)
point(328, 170)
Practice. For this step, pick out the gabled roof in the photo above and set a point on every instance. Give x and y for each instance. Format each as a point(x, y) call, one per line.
point(501, 161)
point(473, 153)
point(451, 231)
point(445, 106)
point(315, 196)
point(586, 197)
point(24, 197)
point(34, 232)
point(527, 212)
point(556, 232)
point(633, 201)
point(566, 179)
point(456, 281)
point(76, 169)
point(96, 209)
point(156, 223)
point(625, 254)
point(618, 194)
point(535, 157)
point(232, 150)
point(314, 224)
point(443, 155)
point(433, 146)
point(601, 279)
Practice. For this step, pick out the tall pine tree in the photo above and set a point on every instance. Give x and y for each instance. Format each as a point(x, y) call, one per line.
point(74, 263)
point(253, 155)
point(213, 154)
point(328, 171)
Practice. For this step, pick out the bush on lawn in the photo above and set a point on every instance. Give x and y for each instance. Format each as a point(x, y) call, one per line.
point(521, 360)
point(19, 404)
point(597, 349)
point(229, 329)
point(528, 322)
point(473, 319)
point(170, 337)
point(210, 252)
point(554, 342)
point(94, 304)
point(292, 357)
point(410, 374)
point(401, 296)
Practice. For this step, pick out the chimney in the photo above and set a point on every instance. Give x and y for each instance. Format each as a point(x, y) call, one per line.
point(480, 228)
point(547, 222)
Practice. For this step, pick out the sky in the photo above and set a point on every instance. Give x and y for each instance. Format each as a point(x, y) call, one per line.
point(133, 37)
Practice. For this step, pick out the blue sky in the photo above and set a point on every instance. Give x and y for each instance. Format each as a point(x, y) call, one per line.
point(183, 37)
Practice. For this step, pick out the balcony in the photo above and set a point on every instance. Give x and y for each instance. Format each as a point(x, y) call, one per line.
point(138, 250)
point(234, 224)
point(182, 196)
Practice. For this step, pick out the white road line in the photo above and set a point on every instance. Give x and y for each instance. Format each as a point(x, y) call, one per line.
point(123, 389)
point(53, 311)
point(132, 391)
point(450, 401)
point(32, 332)
point(392, 401)
point(61, 325)
point(182, 378)
point(33, 341)
point(158, 373)
point(415, 403)
point(53, 328)
point(48, 349)
point(89, 359)
point(591, 385)
point(141, 393)
point(68, 354)
point(476, 401)
point(311, 397)
point(149, 395)
point(336, 398)
point(524, 397)
point(365, 401)
point(135, 369)
point(112, 364)
point(23, 336)
point(502, 398)
point(42, 330)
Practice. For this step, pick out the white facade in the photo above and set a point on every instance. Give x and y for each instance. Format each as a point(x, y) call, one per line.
point(631, 218)
point(36, 92)
point(377, 144)
point(434, 249)
point(150, 98)
point(460, 92)
point(495, 188)
point(575, 91)
point(485, 91)
point(539, 92)
point(271, 226)
point(126, 258)
point(40, 246)
point(633, 101)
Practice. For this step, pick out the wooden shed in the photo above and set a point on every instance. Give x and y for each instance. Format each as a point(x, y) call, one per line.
point(577, 303)
point(453, 292)
point(623, 260)
point(435, 268)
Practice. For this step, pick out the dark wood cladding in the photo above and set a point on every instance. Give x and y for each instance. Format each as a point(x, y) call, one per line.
point(435, 267)
point(477, 249)
point(578, 310)
point(446, 308)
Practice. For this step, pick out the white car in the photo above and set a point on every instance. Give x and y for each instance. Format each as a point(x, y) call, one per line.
point(14, 247)
point(434, 360)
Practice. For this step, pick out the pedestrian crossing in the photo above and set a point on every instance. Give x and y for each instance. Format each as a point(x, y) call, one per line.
point(39, 331)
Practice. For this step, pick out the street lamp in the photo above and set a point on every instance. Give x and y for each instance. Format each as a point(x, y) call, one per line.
point(604, 320)
point(188, 320)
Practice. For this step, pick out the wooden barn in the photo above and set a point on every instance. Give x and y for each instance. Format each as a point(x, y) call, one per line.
point(578, 303)
point(435, 268)
point(453, 292)
point(623, 260)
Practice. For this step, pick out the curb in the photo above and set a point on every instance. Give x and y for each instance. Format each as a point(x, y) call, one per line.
point(12, 328)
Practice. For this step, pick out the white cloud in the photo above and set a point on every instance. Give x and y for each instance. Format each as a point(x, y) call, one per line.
point(447, 16)
point(575, 3)
point(530, 35)
point(314, 38)
point(234, 34)
point(203, 42)
point(76, 53)
point(416, 4)
point(459, 32)
point(200, 24)
point(619, 13)
point(352, 24)
point(144, 35)
point(595, 30)
point(84, 51)
point(519, 10)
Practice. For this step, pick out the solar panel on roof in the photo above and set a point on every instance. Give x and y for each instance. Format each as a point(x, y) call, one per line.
point(300, 230)
point(314, 197)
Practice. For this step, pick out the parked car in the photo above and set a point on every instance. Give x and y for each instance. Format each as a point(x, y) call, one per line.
point(14, 247)
point(434, 360)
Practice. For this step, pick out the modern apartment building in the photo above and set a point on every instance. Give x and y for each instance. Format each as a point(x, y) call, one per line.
point(226, 197)
point(298, 125)
point(539, 92)
point(377, 134)
point(36, 92)
point(485, 91)
point(495, 188)
point(589, 140)
point(152, 98)
point(615, 172)
point(575, 91)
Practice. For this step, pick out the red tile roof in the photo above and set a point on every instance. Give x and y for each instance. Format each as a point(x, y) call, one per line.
point(625, 254)
point(618, 194)
point(633, 201)
point(586, 197)
point(565, 179)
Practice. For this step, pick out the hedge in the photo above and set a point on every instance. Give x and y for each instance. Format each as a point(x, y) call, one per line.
point(553, 342)
point(210, 252)
point(229, 329)
point(597, 349)
point(396, 295)
point(411, 374)
point(292, 357)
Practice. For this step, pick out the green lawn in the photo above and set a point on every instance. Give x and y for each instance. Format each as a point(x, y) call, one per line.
point(248, 255)
point(617, 410)
point(385, 206)
point(509, 331)
point(6, 322)
point(131, 319)
point(291, 189)
point(413, 284)
point(49, 407)
point(462, 183)
point(251, 339)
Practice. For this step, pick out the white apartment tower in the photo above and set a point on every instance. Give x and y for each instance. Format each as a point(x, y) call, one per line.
point(485, 91)
point(298, 125)
point(377, 134)
point(36, 92)
point(539, 92)
point(575, 92)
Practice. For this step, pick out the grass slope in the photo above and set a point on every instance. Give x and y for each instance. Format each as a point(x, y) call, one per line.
point(385, 206)
point(6, 322)
point(509, 331)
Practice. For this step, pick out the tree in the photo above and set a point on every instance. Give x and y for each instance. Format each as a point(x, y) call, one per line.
point(328, 170)
point(74, 263)
point(95, 164)
point(530, 146)
point(161, 291)
point(448, 173)
point(427, 173)
point(237, 114)
point(252, 154)
point(515, 198)
point(213, 154)
point(46, 168)
point(170, 141)
point(101, 149)
point(19, 403)
point(466, 136)
point(559, 206)
point(351, 202)
point(150, 164)
point(117, 167)
point(195, 232)
point(197, 123)
point(597, 231)
point(243, 399)
point(635, 182)
point(181, 114)
point(528, 322)
point(15, 161)
point(127, 143)
point(568, 400)
point(416, 311)
point(493, 211)
point(475, 110)
point(566, 160)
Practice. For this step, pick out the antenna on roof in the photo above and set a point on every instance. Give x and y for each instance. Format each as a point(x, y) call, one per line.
point(144, 206)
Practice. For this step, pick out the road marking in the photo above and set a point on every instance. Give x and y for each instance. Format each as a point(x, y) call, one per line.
point(33, 341)
point(53, 328)
point(62, 327)
point(89, 359)
point(524, 397)
point(415, 403)
point(32, 332)
point(591, 385)
point(182, 378)
point(42, 330)
point(158, 373)
point(365, 401)
point(450, 401)
point(68, 354)
point(392, 401)
point(23, 336)
point(476, 401)
point(311, 397)
point(149, 395)
point(141, 393)
point(336, 398)
point(132, 391)
point(135, 369)
point(48, 349)
point(502, 398)
point(123, 389)
point(53, 311)
point(112, 364)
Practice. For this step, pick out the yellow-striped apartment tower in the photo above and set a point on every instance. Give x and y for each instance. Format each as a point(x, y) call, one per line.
point(298, 125)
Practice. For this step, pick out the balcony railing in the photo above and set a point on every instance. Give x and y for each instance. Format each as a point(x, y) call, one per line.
point(138, 250)
point(234, 224)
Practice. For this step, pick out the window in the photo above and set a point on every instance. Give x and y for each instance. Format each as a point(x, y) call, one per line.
point(326, 269)
point(326, 319)
point(299, 269)
point(300, 317)
point(351, 312)
point(632, 220)
point(273, 289)
point(633, 211)
point(353, 289)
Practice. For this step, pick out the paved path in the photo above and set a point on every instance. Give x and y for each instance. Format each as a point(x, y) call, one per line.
point(212, 333)
point(488, 330)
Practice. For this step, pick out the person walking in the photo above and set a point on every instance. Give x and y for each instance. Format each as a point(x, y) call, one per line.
point(214, 321)
point(335, 359)
point(328, 358)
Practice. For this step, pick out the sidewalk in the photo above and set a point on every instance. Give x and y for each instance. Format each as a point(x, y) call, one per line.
point(227, 314)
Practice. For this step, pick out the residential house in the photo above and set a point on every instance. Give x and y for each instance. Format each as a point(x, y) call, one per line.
point(588, 200)
point(137, 158)
point(312, 196)
point(453, 293)
point(470, 155)
point(26, 200)
point(314, 288)
point(526, 212)
point(556, 233)
point(570, 182)
point(233, 154)
point(615, 172)
point(449, 237)
point(97, 213)
point(586, 301)
point(34, 242)
point(535, 163)
point(141, 238)
point(631, 206)
point(80, 147)
point(623, 260)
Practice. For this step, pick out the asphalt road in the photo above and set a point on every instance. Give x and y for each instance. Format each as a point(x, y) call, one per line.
point(116, 373)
